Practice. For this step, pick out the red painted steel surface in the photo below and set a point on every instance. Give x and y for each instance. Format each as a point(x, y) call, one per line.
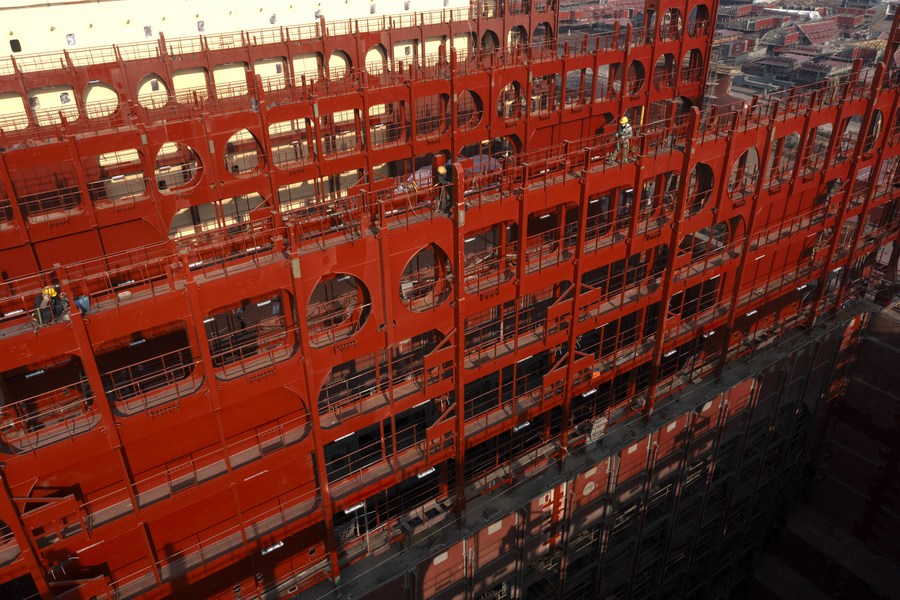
point(237, 391)
point(684, 522)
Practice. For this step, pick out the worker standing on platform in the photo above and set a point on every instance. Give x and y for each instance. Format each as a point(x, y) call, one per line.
point(623, 135)
point(444, 200)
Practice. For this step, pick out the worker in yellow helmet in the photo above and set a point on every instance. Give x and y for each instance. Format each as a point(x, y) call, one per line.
point(43, 305)
point(443, 180)
point(48, 306)
point(623, 135)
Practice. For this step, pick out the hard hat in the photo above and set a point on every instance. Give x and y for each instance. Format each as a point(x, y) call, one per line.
point(623, 121)
point(442, 170)
point(49, 291)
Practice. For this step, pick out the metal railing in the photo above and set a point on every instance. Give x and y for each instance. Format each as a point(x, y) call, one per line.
point(424, 289)
point(544, 250)
point(258, 346)
point(488, 341)
point(332, 321)
point(50, 205)
point(119, 190)
point(339, 395)
point(490, 267)
point(161, 379)
point(47, 418)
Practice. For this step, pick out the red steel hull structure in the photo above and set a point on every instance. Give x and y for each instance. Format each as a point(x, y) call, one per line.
point(290, 325)
point(675, 506)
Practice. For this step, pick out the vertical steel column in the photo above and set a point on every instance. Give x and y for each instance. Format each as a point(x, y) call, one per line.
point(678, 487)
point(807, 379)
point(612, 482)
point(299, 292)
point(124, 96)
point(387, 327)
point(577, 269)
point(647, 472)
point(875, 172)
point(10, 515)
point(710, 41)
point(724, 340)
point(206, 58)
point(454, 99)
point(623, 82)
point(212, 386)
point(890, 51)
point(23, 91)
point(459, 370)
point(636, 200)
point(110, 426)
point(770, 432)
point(87, 204)
point(168, 72)
point(520, 287)
point(693, 128)
point(745, 434)
point(815, 101)
point(265, 138)
point(568, 508)
point(78, 83)
point(18, 219)
point(701, 513)
point(851, 180)
point(603, 539)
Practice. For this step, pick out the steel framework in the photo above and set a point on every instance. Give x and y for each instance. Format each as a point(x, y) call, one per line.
point(294, 322)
